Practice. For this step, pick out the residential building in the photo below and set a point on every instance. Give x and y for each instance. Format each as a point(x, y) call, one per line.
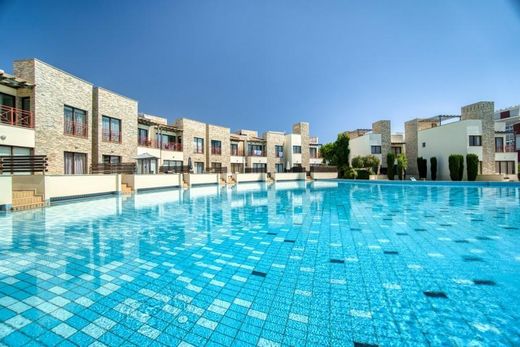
point(511, 118)
point(17, 134)
point(377, 141)
point(476, 132)
point(62, 108)
point(80, 127)
point(159, 145)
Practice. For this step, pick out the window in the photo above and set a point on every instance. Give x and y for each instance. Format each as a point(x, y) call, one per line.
point(75, 163)
point(7, 100)
point(505, 167)
point(256, 150)
point(198, 145)
point(26, 103)
point(259, 167)
point(475, 140)
point(216, 147)
point(424, 144)
point(198, 167)
point(166, 141)
point(313, 152)
point(217, 167)
point(237, 168)
point(14, 151)
point(278, 150)
point(499, 144)
point(111, 129)
point(234, 149)
point(375, 149)
point(111, 159)
point(396, 150)
point(75, 122)
point(142, 137)
point(172, 165)
point(297, 149)
point(278, 167)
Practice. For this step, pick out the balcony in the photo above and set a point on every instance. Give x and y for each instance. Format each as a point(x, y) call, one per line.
point(237, 152)
point(111, 136)
point(505, 149)
point(16, 117)
point(172, 146)
point(74, 128)
point(279, 154)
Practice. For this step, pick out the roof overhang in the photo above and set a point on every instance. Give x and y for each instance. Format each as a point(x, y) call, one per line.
point(13, 81)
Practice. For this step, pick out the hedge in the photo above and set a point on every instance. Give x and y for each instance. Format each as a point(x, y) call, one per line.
point(433, 168)
point(390, 161)
point(422, 166)
point(472, 166)
point(456, 166)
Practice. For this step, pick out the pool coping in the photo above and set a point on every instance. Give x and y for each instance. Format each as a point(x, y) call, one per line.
point(429, 183)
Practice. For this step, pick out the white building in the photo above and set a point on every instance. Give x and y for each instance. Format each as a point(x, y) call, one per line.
point(511, 118)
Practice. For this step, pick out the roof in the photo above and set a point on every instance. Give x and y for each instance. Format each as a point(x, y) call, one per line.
point(13, 81)
point(439, 118)
point(168, 127)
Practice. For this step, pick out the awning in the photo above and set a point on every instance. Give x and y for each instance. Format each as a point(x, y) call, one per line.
point(145, 156)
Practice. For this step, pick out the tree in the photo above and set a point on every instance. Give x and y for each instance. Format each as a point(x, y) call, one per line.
point(337, 153)
point(371, 162)
point(422, 166)
point(402, 165)
point(358, 162)
point(390, 160)
point(456, 166)
point(433, 168)
point(472, 166)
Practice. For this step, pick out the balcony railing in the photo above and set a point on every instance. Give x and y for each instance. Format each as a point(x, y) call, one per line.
point(13, 116)
point(172, 146)
point(323, 168)
point(216, 150)
point(106, 168)
point(237, 153)
point(256, 153)
point(279, 154)
point(74, 128)
point(505, 149)
point(23, 164)
point(111, 136)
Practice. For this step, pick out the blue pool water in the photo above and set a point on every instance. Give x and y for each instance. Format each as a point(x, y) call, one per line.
point(327, 263)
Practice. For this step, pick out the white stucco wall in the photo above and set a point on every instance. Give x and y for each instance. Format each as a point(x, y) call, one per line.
point(16, 136)
point(71, 185)
point(293, 158)
point(362, 146)
point(152, 181)
point(6, 190)
point(323, 175)
point(249, 177)
point(448, 139)
point(161, 154)
point(193, 179)
point(288, 176)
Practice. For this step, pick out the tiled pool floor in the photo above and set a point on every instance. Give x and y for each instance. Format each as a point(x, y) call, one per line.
point(325, 264)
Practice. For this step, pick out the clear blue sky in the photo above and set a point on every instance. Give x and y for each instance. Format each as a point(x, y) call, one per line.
point(267, 64)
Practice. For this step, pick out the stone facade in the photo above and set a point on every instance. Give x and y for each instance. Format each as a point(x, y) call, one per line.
point(107, 103)
point(274, 138)
point(383, 127)
point(218, 133)
point(302, 128)
point(411, 129)
point(484, 111)
point(54, 89)
point(192, 129)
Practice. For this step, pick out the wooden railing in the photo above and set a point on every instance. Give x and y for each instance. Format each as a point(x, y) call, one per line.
point(23, 164)
point(255, 170)
point(174, 169)
point(121, 168)
point(13, 116)
point(220, 170)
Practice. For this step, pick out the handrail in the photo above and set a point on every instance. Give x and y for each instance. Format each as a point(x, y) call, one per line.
point(107, 168)
point(17, 117)
point(23, 164)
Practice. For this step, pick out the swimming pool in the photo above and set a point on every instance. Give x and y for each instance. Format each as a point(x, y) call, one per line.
point(325, 263)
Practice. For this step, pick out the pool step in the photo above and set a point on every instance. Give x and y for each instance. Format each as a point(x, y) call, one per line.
point(126, 189)
point(26, 199)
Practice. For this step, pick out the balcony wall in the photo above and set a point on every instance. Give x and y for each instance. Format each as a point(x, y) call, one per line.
point(142, 182)
point(249, 177)
point(16, 136)
point(288, 176)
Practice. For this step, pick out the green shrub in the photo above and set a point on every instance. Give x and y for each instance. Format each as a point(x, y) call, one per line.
point(358, 162)
point(350, 173)
point(402, 165)
point(371, 162)
point(363, 174)
point(472, 166)
point(433, 168)
point(422, 166)
point(456, 166)
point(390, 160)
